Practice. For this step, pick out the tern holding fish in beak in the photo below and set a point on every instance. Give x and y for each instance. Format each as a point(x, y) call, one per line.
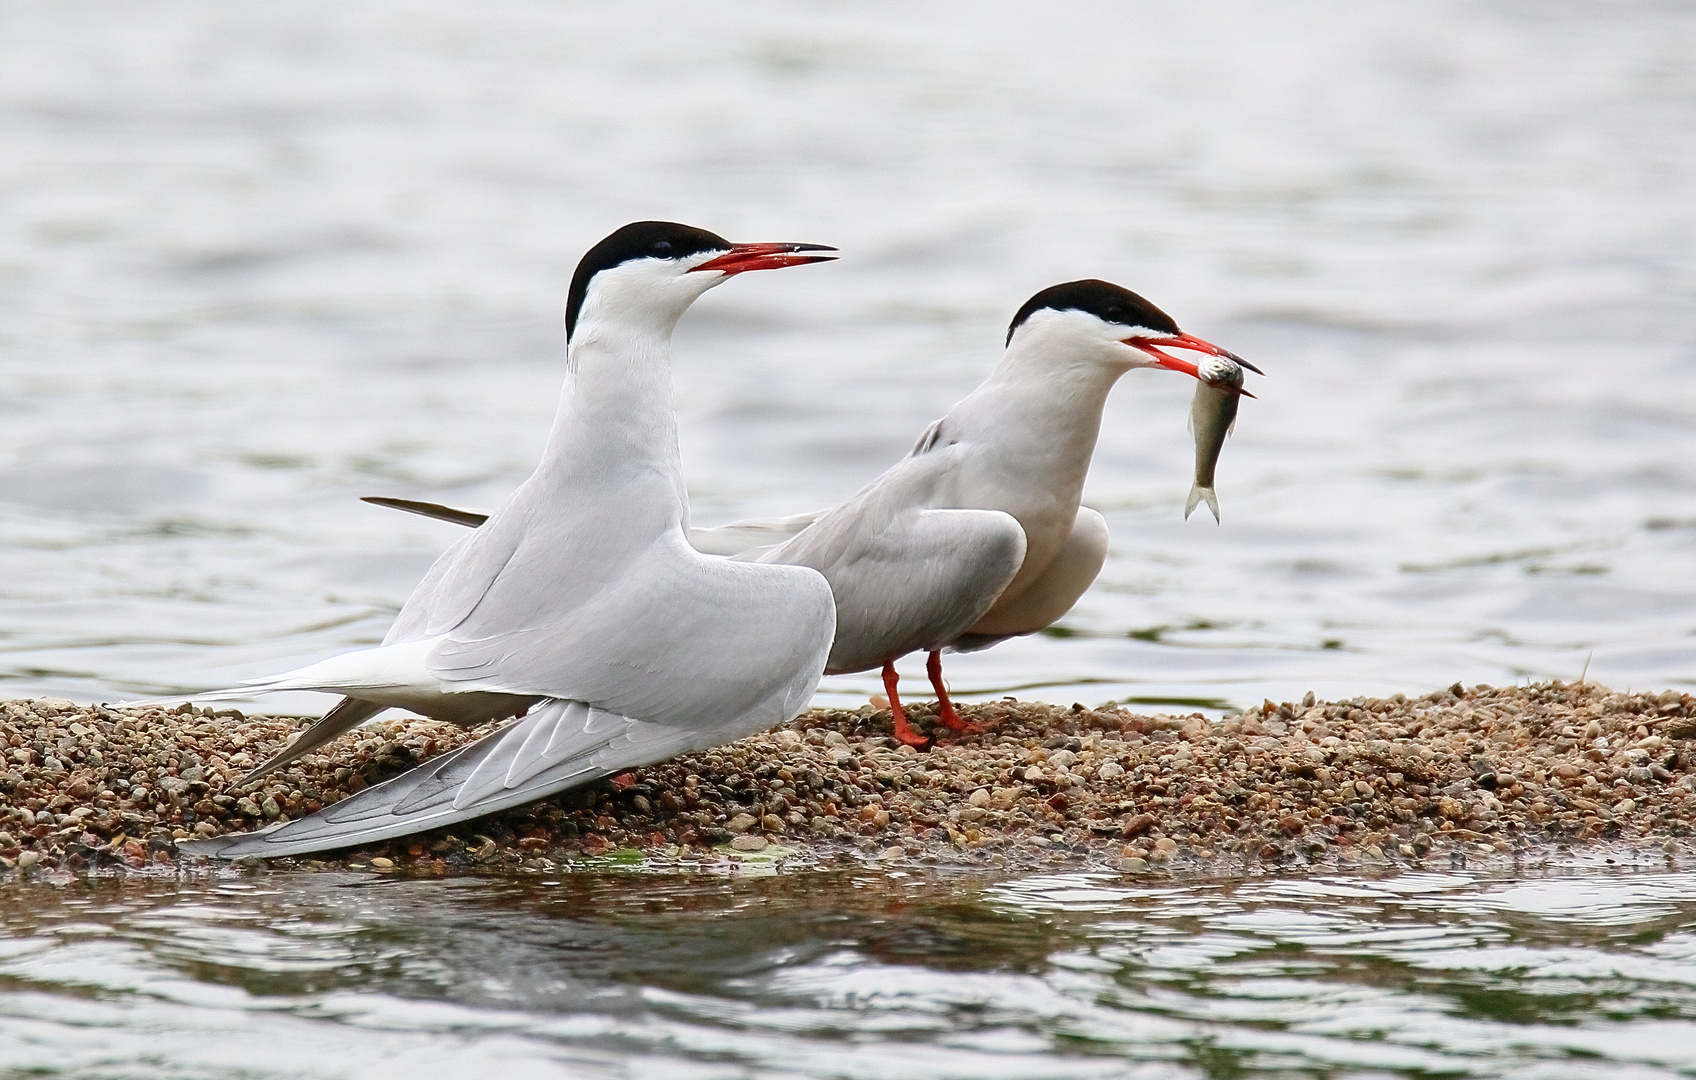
point(978, 535)
point(580, 606)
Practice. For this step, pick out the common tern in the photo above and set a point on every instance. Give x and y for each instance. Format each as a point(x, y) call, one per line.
point(580, 606)
point(978, 534)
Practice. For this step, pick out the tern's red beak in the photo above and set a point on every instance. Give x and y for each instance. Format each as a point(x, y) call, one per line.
point(745, 257)
point(1188, 341)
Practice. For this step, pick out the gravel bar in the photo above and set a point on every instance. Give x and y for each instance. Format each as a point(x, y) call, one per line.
point(1480, 773)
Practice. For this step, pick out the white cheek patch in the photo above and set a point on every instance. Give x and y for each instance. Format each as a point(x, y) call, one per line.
point(644, 291)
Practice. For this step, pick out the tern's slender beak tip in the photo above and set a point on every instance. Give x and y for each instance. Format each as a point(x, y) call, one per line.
point(742, 258)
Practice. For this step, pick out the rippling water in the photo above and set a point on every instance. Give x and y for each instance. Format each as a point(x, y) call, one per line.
point(256, 261)
point(259, 260)
point(849, 974)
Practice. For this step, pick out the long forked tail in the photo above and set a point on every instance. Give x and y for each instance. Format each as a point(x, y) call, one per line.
point(1198, 494)
point(348, 714)
point(560, 745)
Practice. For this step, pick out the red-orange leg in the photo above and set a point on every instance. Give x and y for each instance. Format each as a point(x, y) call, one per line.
point(903, 732)
point(945, 712)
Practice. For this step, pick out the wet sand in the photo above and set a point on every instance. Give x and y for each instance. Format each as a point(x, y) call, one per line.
point(1462, 773)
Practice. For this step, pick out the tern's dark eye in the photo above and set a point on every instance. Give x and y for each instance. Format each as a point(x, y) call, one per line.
point(663, 248)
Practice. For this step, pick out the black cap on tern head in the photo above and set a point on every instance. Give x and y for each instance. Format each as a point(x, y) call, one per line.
point(638, 240)
point(1103, 299)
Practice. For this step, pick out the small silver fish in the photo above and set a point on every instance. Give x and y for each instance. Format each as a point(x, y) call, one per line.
point(1213, 415)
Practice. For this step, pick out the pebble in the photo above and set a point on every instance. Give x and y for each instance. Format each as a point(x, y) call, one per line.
point(1288, 783)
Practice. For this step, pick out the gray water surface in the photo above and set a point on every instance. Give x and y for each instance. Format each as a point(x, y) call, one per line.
point(851, 974)
point(259, 260)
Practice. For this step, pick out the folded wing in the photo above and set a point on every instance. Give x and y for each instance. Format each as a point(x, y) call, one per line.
point(560, 745)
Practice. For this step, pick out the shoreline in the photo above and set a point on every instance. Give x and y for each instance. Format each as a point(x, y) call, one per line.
point(1457, 774)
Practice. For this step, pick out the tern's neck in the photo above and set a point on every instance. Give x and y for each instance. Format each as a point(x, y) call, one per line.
point(615, 434)
point(1044, 405)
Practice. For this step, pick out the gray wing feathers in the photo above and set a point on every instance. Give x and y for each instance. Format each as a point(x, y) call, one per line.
point(672, 648)
point(560, 745)
point(348, 714)
point(916, 580)
point(452, 515)
point(740, 537)
point(736, 538)
point(679, 658)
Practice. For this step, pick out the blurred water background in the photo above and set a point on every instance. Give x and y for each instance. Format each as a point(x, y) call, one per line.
point(259, 260)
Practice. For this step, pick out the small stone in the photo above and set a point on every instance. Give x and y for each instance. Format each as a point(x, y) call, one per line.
point(380, 863)
point(772, 823)
point(979, 797)
point(1166, 845)
point(741, 823)
point(889, 853)
point(1138, 825)
point(748, 842)
point(1111, 770)
point(1624, 806)
point(28, 859)
point(1033, 775)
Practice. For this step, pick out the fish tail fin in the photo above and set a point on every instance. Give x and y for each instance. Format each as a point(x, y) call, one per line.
point(1198, 495)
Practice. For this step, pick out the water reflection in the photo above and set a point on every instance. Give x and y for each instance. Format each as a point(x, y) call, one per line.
point(850, 973)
